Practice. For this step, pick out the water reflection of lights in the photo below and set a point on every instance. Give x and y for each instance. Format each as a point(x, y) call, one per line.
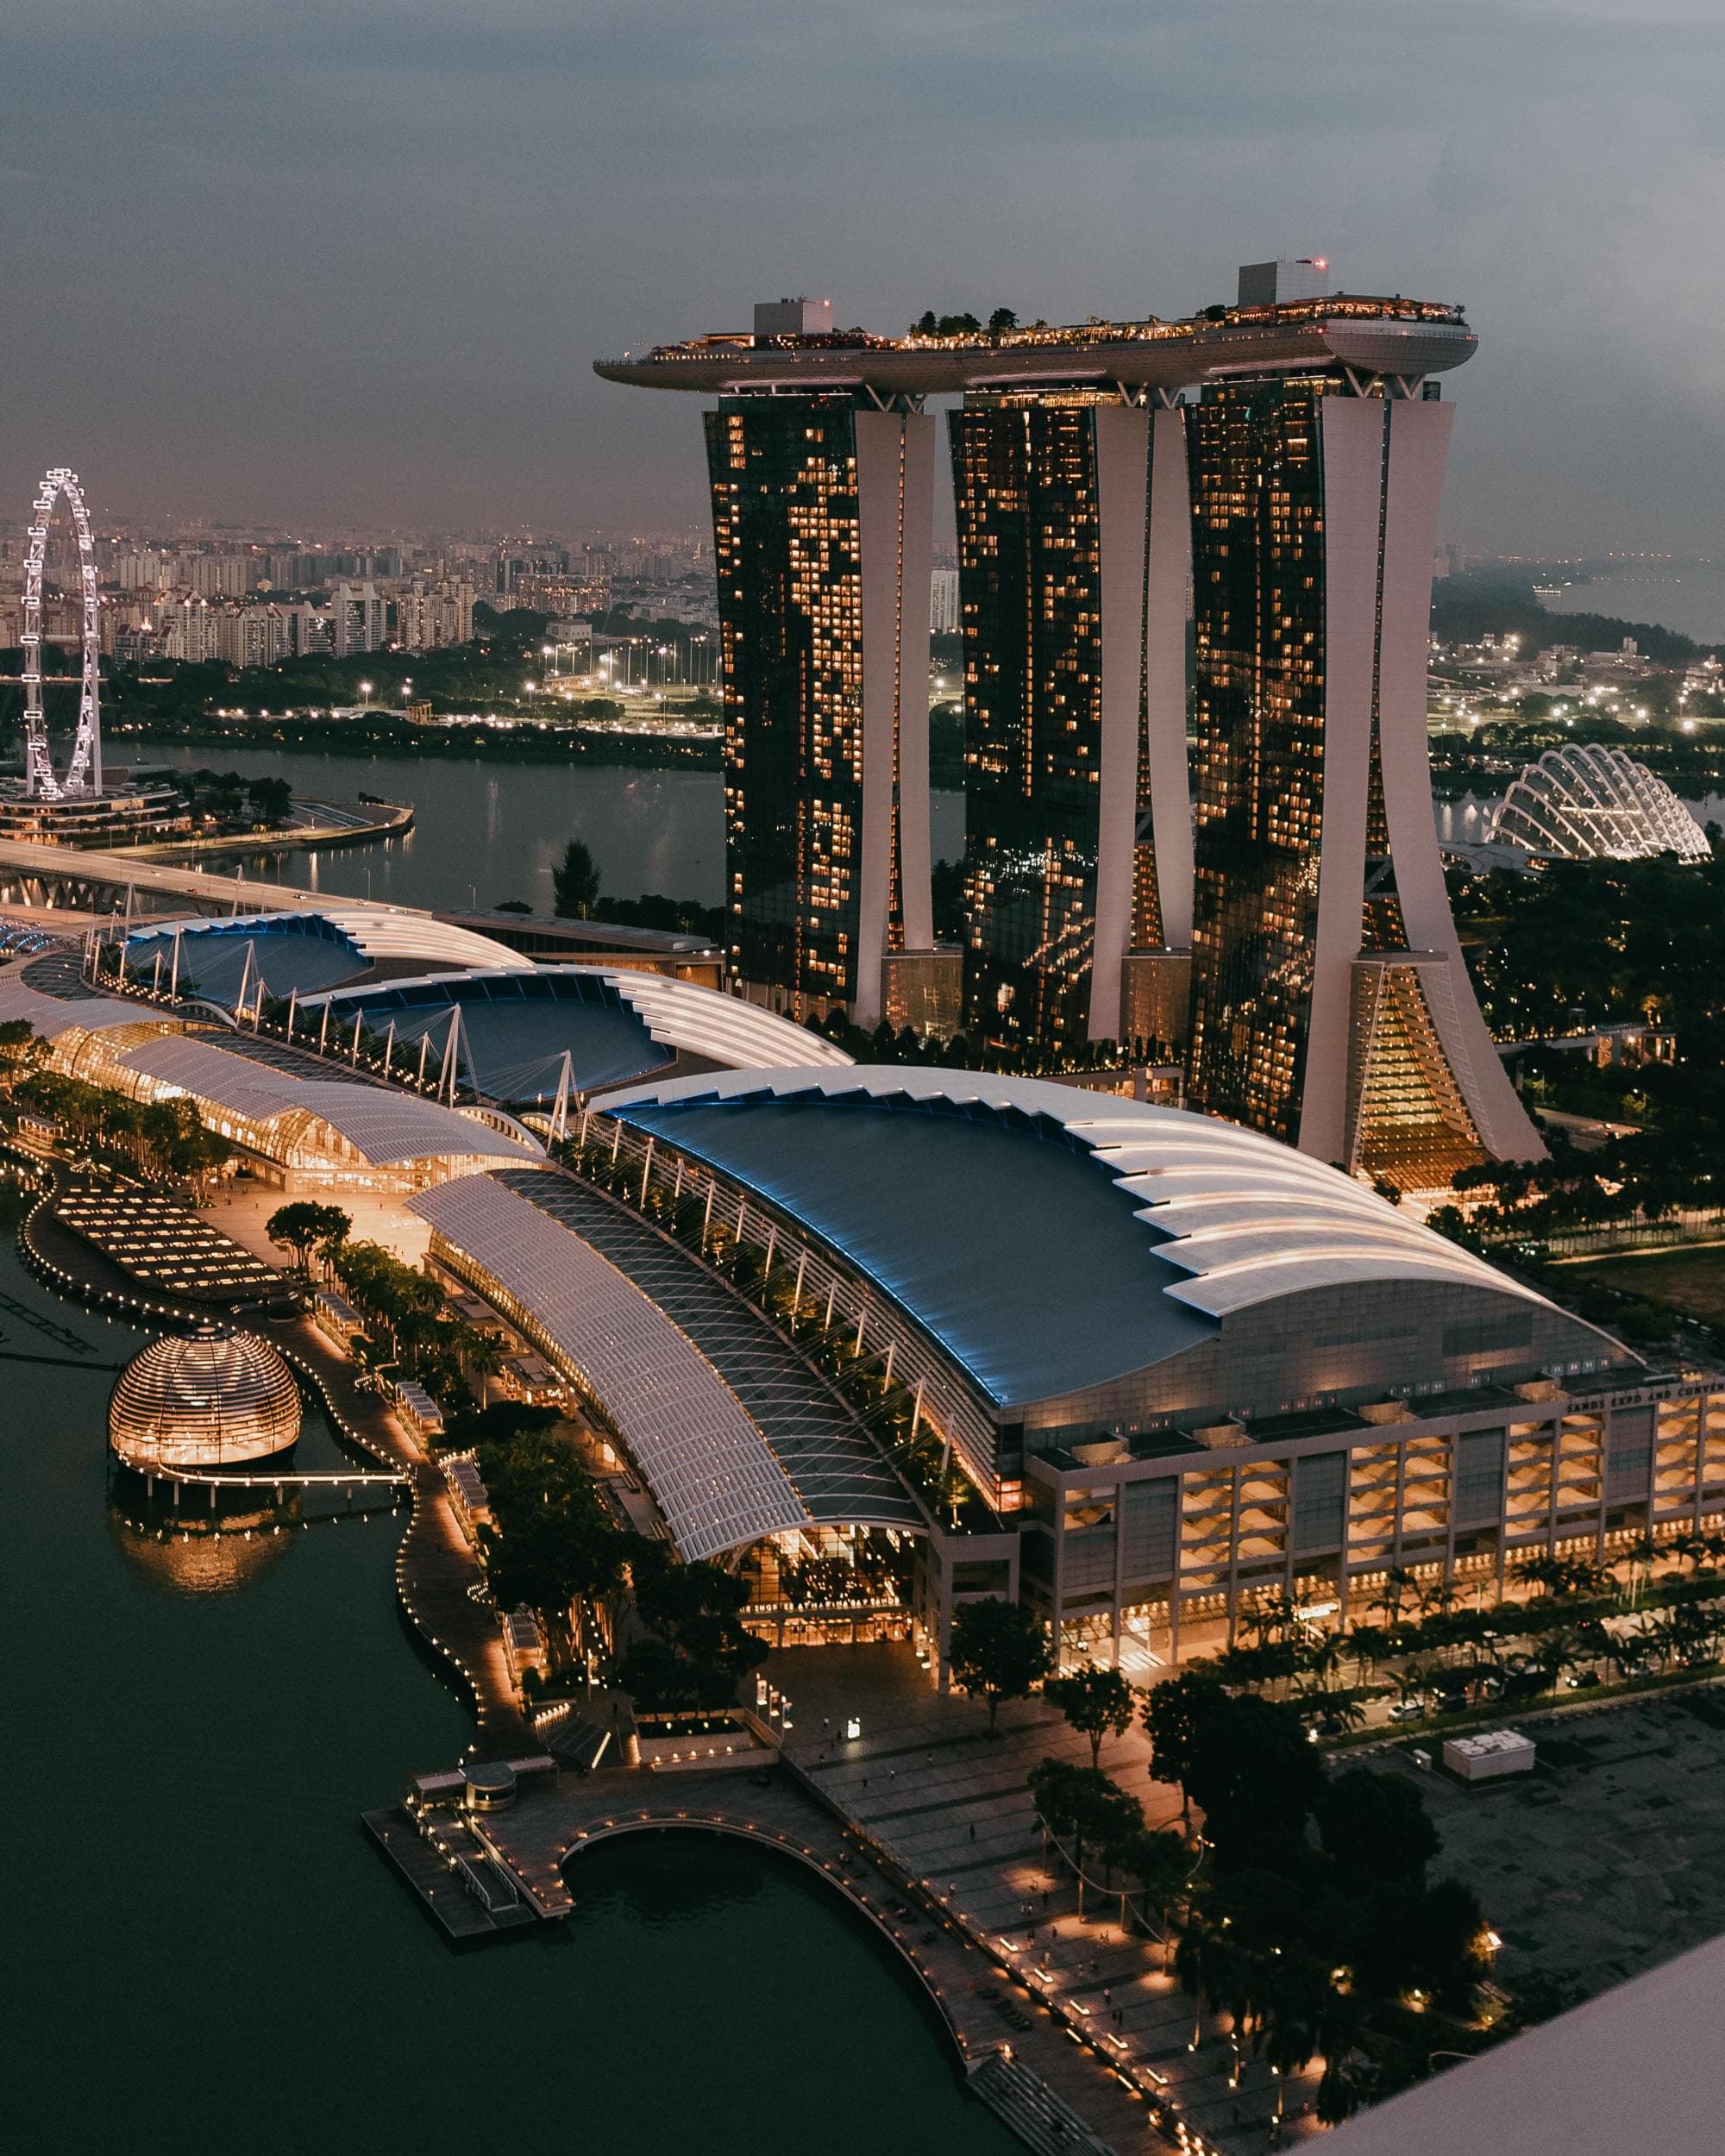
point(196, 1552)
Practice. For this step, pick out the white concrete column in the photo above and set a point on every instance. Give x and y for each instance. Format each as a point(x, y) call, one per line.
point(895, 513)
point(1352, 450)
point(1419, 442)
point(1122, 449)
point(1170, 576)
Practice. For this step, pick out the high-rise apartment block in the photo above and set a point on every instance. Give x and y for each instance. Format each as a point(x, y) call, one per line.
point(1282, 460)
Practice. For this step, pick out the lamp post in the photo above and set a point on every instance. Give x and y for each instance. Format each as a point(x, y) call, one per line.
point(366, 693)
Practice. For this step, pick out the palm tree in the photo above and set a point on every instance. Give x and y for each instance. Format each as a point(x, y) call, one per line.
point(484, 1354)
point(1322, 1658)
point(1642, 1554)
point(1396, 1582)
point(1556, 1652)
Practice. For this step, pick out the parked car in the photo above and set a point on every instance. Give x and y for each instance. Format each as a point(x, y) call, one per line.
point(1407, 1710)
point(1582, 1680)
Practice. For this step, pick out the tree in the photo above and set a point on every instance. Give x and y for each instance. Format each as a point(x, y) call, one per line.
point(694, 1609)
point(1002, 319)
point(1000, 1652)
point(1378, 1824)
point(1442, 1938)
point(305, 1226)
point(483, 1353)
point(575, 882)
point(1254, 1773)
point(1173, 1711)
point(1161, 1865)
point(20, 1047)
point(1098, 1703)
point(1083, 1803)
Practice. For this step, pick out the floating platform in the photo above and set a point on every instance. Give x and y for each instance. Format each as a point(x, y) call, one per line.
point(466, 1895)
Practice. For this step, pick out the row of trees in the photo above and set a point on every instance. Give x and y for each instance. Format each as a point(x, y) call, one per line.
point(889, 1408)
point(1313, 1926)
point(408, 1324)
point(152, 1137)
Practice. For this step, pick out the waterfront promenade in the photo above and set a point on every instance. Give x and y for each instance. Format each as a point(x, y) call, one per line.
point(436, 1570)
point(1058, 2095)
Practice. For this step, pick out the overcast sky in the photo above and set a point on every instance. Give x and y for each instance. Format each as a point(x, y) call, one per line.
point(350, 261)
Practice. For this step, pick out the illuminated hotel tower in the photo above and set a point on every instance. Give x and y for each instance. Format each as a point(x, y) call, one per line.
point(1073, 541)
point(1330, 1004)
point(821, 510)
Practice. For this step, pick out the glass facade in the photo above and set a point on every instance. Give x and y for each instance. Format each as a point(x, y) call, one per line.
point(1029, 553)
point(1257, 509)
point(787, 542)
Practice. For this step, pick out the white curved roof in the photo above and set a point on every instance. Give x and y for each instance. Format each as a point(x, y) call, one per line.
point(1247, 1218)
point(51, 1016)
point(678, 1014)
point(715, 1477)
point(1585, 802)
point(375, 932)
point(387, 1128)
point(681, 1014)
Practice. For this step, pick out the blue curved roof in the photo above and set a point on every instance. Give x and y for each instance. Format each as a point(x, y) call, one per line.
point(515, 1028)
point(995, 1230)
point(306, 953)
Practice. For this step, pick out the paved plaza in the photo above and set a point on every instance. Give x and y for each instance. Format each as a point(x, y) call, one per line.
point(927, 1782)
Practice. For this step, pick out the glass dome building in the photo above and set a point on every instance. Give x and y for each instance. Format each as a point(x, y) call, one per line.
point(1584, 802)
point(210, 1400)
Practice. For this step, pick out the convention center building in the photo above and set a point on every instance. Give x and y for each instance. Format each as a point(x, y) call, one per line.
point(1167, 1364)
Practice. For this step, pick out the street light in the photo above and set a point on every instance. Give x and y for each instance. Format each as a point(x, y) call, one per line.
point(365, 692)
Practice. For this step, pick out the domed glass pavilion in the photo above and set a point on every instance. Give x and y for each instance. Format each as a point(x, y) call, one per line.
point(210, 1399)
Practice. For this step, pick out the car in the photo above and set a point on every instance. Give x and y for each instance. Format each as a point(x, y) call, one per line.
point(1407, 1710)
point(1582, 1680)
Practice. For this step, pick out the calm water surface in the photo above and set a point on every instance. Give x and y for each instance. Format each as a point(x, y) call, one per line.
point(1687, 596)
point(206, 1954)
point(489, 831)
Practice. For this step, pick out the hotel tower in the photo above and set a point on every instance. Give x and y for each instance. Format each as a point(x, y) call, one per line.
point(1278, 914)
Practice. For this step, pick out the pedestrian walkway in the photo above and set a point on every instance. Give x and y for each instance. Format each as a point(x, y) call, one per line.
point(928, 1785)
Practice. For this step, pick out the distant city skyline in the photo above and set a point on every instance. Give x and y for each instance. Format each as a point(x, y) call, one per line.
point(349, 264)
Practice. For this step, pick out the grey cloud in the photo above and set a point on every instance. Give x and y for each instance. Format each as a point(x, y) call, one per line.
point(347, 261)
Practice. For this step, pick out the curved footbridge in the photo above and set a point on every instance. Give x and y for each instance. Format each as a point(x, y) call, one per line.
point(484, 1872)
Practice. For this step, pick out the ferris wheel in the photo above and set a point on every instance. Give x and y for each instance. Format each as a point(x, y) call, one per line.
point(84, 774)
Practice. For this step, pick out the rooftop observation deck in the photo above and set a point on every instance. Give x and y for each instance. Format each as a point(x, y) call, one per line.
point(1374, 335)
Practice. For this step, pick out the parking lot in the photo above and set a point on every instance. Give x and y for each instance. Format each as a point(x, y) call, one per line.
point(1610, 1856)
